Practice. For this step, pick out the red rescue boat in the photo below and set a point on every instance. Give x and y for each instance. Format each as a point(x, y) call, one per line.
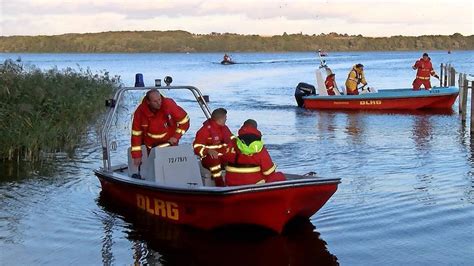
point(270, 205)
point(176, 189)
point(316, 97)
point(394, 99)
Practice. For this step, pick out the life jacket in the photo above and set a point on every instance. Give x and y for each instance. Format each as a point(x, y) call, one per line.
point(248, 161)
point(354, 78)
point(211, 136)
point(424, 69)
point(156, 128)
point(329, 86)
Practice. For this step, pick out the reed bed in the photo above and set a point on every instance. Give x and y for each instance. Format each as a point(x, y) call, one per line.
point(47, 111)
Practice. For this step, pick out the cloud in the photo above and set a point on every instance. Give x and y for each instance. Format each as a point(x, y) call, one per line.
point(351, 16)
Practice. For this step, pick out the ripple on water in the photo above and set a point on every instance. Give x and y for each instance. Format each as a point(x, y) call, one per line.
point(406, 197)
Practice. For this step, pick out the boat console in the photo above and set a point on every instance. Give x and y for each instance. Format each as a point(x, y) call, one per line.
point(171, 166)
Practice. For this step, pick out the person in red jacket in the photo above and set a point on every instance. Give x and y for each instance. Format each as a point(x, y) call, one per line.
point(211, 142)
point(424, 69)
point(157, 122)
point(331, 84)
point(248, 161)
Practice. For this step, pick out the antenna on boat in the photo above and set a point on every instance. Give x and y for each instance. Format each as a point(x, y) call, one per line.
point(322, 62)
point(323, 65)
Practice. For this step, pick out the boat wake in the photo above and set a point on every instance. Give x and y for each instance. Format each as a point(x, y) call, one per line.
point(274, 61)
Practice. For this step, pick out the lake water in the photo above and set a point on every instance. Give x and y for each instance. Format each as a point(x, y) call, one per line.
point(406, 197)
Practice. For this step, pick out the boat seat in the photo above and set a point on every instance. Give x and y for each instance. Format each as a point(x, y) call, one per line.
point(132, 169)
point(320, 81)
point(206, 176)
point(320, 86)
point(172, 166)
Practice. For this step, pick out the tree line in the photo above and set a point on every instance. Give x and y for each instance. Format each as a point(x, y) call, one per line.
point(182, 41)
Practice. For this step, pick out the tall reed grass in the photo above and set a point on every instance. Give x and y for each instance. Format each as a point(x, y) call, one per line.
point(47, 111)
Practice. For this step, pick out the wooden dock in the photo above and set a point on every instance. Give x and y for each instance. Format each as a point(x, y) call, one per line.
point(448, 78)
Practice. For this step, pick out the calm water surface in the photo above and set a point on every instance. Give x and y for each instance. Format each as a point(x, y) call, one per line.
point(406, 197)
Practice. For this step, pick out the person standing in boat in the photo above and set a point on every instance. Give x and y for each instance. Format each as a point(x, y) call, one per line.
point(248, 161)
point(157, 122)
point(331, 84)
point(355, 77)
point(424, 70)
point(227, 58)
point(211, 142)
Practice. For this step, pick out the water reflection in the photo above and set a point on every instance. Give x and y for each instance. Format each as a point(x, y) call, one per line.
point(422, 132)
point(469, 193)
point(355, 126)
point(423, 186)
point(326, 123)
point(155, 242)
point(107, 240)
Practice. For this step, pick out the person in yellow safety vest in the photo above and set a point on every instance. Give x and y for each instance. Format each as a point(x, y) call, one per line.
point(248, 161)
point(355, 77)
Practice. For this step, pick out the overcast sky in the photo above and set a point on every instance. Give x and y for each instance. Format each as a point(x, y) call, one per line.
point(264, 17)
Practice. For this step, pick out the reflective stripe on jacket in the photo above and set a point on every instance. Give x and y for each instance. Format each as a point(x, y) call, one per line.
point(355, 78)
point(155, 129)
point(424, 69)
point(247, 169)
point(211, 136)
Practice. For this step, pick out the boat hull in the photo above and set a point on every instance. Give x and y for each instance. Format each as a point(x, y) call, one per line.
point(227, 62)
point(386, 100)
point(271, 205)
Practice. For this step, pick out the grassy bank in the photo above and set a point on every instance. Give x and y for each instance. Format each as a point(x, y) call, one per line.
point(47, 111)
point(182, 41)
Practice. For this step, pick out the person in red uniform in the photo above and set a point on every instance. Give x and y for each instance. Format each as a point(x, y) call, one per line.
point(211, 143)
point(248, 161)
point(424, 69)
point(157, 122)
point(331, 84)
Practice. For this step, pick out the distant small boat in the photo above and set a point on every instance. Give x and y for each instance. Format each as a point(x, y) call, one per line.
point(227, 62)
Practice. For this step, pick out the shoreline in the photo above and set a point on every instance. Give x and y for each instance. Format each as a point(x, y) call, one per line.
point(244, 52)
point(185, 42)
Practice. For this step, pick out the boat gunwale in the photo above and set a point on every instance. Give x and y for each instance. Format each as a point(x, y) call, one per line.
point(387, 94)
point(215, 191)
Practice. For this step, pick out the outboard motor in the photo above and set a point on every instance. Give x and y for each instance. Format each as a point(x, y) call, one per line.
point(139, 80)
point(303, 89)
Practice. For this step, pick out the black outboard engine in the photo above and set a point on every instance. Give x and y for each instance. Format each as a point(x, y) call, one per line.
point(303, 89)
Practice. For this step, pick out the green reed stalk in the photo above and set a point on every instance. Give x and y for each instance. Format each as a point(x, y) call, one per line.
point(47, 111)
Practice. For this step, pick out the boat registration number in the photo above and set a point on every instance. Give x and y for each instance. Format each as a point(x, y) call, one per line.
point(158, 207)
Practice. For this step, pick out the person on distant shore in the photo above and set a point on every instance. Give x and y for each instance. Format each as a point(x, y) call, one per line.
point(211, 143)
point(157, 122)
point(424, 69)
point(331, 84)
point(248, 161)
point(355, 77)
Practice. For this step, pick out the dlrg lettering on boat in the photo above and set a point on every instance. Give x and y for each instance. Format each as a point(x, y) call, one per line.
point(165, 209)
